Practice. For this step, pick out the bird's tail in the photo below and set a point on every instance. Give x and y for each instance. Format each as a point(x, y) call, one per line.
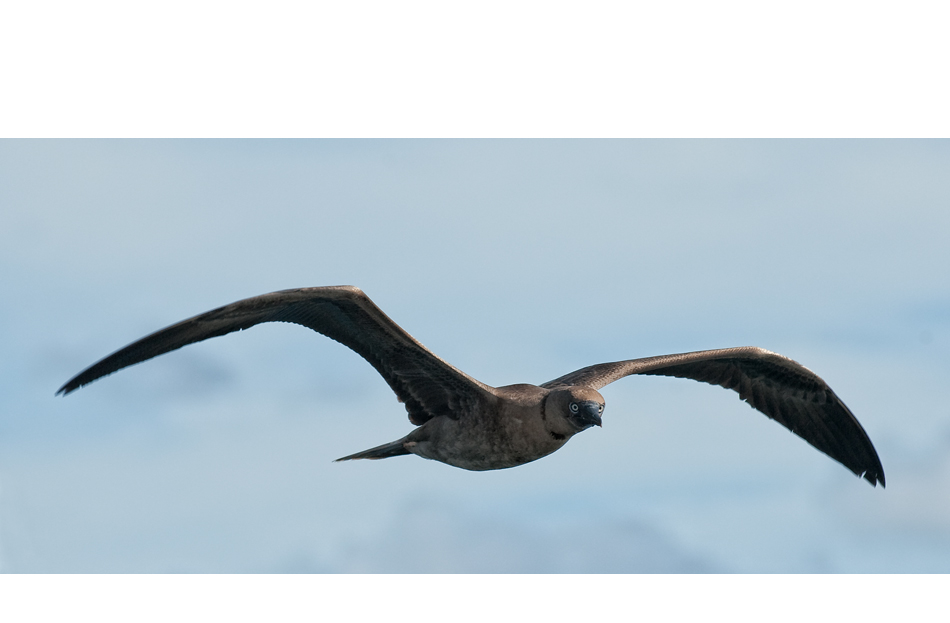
point(394, 448)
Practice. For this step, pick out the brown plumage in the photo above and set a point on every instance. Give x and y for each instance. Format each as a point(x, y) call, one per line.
point(471, 425)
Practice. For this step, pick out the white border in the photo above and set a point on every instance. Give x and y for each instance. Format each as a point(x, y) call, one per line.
point(475, 598)
point(493, 68)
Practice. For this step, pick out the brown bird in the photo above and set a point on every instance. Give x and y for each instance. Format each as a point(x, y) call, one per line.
point(465, 423)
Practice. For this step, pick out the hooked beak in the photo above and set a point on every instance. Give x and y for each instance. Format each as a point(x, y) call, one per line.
point(589, 414)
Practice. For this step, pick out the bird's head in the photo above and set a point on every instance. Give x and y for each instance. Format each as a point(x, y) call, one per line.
point(581, 406)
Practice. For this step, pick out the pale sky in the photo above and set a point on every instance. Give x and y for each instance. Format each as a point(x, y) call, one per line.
point(516, 261)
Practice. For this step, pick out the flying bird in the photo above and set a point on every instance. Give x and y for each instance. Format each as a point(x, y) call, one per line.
point(463, 422)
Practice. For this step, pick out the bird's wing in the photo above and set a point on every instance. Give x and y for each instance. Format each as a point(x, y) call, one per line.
point(427, 385)
point(782, 389)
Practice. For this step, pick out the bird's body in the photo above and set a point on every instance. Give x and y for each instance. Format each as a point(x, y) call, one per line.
point(463, 422)
point(511, 430)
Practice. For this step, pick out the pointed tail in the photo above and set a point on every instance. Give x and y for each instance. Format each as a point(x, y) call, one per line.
point(395, 448)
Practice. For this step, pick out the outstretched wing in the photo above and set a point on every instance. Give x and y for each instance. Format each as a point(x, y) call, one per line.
point(782, 389)
point(427, 385)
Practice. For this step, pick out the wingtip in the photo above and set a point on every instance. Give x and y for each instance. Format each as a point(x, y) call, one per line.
point(69, 387)
point(875, 478)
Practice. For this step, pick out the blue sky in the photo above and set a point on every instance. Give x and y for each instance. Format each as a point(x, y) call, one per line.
point(517, 261)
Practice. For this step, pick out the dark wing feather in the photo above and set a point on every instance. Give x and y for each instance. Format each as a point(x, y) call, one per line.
point(425, 383)
point(782, 389)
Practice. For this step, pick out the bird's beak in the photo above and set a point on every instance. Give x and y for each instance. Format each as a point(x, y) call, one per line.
point(590, 412)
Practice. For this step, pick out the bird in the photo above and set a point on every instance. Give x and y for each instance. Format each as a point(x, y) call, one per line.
point(465, 423)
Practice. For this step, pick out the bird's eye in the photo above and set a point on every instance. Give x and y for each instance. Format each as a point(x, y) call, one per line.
point(574, 407)
point(600, 409)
